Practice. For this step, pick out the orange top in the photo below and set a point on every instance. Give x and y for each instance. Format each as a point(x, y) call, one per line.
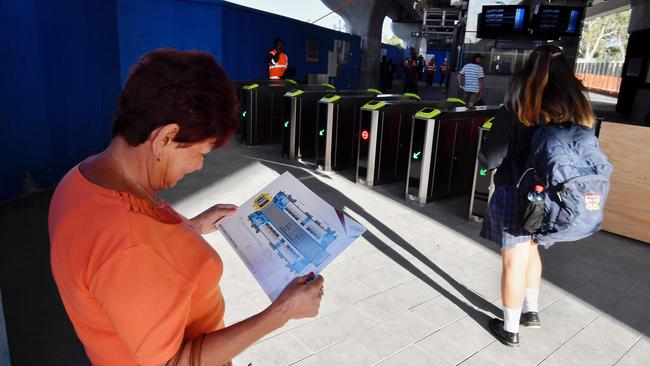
point(135, 279)
point(277, 69)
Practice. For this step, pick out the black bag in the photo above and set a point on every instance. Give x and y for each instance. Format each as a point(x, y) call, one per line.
point(533, 216)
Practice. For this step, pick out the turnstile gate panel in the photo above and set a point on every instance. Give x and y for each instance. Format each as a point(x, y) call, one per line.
point(442, 151)
point(301, 125)
point(261, 110)
point(384, 140)
point(338, 127)
point(483, 185)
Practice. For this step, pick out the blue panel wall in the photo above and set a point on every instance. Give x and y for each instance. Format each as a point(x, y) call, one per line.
point(397, 55)
point(145, 25)
point(59, 82)
point(248, 35)
point(239, 37)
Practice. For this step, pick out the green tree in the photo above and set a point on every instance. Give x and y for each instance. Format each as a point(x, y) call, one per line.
point(605, 37)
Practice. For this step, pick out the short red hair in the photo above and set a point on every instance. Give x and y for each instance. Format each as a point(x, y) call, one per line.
point(184, 87)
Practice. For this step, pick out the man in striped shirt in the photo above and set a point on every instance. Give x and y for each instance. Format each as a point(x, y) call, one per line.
point(470, 79)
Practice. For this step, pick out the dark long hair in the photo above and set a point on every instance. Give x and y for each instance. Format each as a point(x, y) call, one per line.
point(546, 91)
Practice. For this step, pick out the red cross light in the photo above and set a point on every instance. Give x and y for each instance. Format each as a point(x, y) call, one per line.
point(365, 134)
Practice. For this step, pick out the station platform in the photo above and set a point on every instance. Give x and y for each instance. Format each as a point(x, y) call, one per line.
point(417, 289)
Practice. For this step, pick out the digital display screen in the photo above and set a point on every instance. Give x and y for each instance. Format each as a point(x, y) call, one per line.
point(502, 21)
point(556, 21)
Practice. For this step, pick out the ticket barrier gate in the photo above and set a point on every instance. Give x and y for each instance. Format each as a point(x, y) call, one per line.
point(384, 135)
point(299, 121)
point(442, 151)
point(483, 185)
point(338, 127)
point(261, 110)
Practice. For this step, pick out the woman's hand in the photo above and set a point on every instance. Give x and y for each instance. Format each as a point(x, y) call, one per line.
point(300, 299)
point(205, 221)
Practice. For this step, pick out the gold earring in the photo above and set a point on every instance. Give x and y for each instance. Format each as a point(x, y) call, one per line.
point(158, 157)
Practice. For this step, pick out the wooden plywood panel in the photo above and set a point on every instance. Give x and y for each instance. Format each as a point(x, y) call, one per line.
point(627, 211)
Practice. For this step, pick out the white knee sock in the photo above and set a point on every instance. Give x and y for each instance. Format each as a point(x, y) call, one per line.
point(531, 301)
point(511, 319)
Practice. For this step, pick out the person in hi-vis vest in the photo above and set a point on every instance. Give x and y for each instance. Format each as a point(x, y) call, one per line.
point(278, 61)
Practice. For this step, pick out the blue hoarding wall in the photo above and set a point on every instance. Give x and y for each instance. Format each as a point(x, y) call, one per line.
point(145, 25)
point(60, 80)
point(397, 54)
point(248, 35)
point(69, 58)
point(239, 37)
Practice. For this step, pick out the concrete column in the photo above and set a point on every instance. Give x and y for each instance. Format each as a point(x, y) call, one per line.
point(365, 18)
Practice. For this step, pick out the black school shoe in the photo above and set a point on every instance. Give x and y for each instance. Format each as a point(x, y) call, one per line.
point(507, 338)
point(530, 320)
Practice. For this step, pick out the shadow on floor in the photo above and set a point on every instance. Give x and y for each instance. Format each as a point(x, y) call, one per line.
point(38, 329)
point(475, 301)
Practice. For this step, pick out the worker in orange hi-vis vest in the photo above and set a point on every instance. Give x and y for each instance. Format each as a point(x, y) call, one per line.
point(278, 61)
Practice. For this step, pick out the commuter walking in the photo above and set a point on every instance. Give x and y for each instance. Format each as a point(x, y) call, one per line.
point(431, 71)
point(384, 74)
point(444, 67)
point(277, 60)
point(470, 80)
point(392, 73)
point(546, 116)
point(411, 76)
point(421, 66)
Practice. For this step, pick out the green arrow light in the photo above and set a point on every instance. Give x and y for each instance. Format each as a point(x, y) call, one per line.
point(483, 172)
point(416, 155)
point(286, 123)
point(243, 114)
point(321, 132)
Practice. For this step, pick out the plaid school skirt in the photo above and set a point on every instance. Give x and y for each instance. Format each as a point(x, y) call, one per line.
point(503, 219)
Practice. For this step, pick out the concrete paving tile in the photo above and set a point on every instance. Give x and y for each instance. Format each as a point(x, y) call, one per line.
point(457, 341)
point(346, 353)
point(259, 298)
point(549, 293)
point(386, 304)
point(488, 359)
point(239, 285)
point(412, 356)
point(394, 334)
point(439, 311)
point(343, 295)
point(639, 354)
point(385, 278)
point(487, 285)
point(571, 274)
point(602, 342)
point(478, 264)
point(282, 349)
point(239, 308)
point(343, 272)
point(333, 328)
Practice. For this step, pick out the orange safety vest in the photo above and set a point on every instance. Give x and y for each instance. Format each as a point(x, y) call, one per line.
point(277, 69)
